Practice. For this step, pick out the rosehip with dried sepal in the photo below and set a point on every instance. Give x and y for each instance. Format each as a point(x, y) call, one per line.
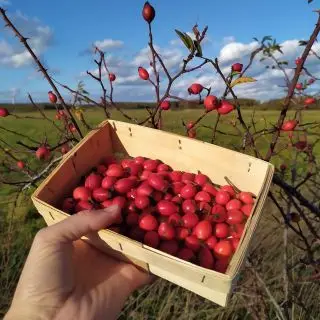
point(112, 77)
point(195, 88)
point(165, 105)
point(148, 12)
point(237, 67)
point(143, 73)
point(52, 97)
point(211, 103)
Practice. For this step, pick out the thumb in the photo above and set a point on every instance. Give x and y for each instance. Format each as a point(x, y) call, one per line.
point(80, 224)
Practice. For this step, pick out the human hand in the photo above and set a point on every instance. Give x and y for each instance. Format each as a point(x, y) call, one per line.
point(66, 278)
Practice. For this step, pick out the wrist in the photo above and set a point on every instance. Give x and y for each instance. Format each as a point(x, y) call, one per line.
point(18, 312)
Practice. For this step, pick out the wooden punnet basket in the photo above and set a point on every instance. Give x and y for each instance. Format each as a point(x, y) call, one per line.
point(180, 153)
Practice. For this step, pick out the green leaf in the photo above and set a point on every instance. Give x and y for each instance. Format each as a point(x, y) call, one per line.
point(241, 81)
point(185, 39)
point(198, 48)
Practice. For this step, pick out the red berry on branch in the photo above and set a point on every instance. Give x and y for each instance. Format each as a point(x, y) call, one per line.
point(195, 88)
point(190, 125)
point(299, 86)
point(298, 61)
point(192, 133)
point(289, 125)
point(143, 73)
point(309, 101)
point(20, 164)
point(165, 105)
point(225, 107)
point(72, 127)
point(210, 103)
point(65, 149)
point(4, 112)
point(237, 67)
point(148, 12)
point(112, 77)
point(43, 152)
point(52, 97)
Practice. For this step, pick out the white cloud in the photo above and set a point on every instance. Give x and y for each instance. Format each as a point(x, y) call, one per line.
point(108, 44)
point(236, 50)
point(12, 53)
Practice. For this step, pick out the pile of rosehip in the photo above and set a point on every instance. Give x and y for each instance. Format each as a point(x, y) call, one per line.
point(181, 213)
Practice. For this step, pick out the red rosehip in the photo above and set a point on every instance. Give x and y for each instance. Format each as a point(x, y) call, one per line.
point(101, 194)
point(234, 217)
point(237, 230)
point(299, 86)
point(124, 185)
point(237, 67)
point(43, 152)
point(151, 239)
point(166, 208)
point(112, 77)
point(157, 182)
point(4, 112)
point(201, 179)
point(188, 191)
point(148, 12)
point(150, 165)
point(166, 231)
point(202, 196)
point(206, 259)
point(225, 107)
point(309, 101)
point(219, 213)
point(203, 230)
point(298, 61)
point(245, 197)
point(187, 177)
point(289, 125)
point(311, 81)
point(229, 189)
point(148, 223)
point(142, 202)
point(193, 243)
point(175, 219)
point(93, 181)
point(108, 182)
point(20, 164)
point(211, 242)
point(119, 201)
point(192, 133)
point(52, 97)
point(234, 204)
point(190, 125)
point(186, 254)
point(189, 206)
point(68, 205)
point(210, 103)
point(221, 230)
point(247, 209)
point(132, 219)
point(165, 105)
point(222, 197)
point(72, 127)
point(195, 88)
point(143, 73)
point(190, 220)
point(64, 149)
point(169, 246)
point(115, 170)
point(182, 233)
point(83, 205)
point(223, 249)
point(209, 188)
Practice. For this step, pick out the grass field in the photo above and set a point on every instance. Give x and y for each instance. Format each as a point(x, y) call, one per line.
point(19, 222)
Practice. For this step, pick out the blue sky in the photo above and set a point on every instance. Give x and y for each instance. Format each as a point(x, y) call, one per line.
point(64, 31)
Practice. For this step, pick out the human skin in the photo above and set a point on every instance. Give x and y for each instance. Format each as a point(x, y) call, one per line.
point(66, 278)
